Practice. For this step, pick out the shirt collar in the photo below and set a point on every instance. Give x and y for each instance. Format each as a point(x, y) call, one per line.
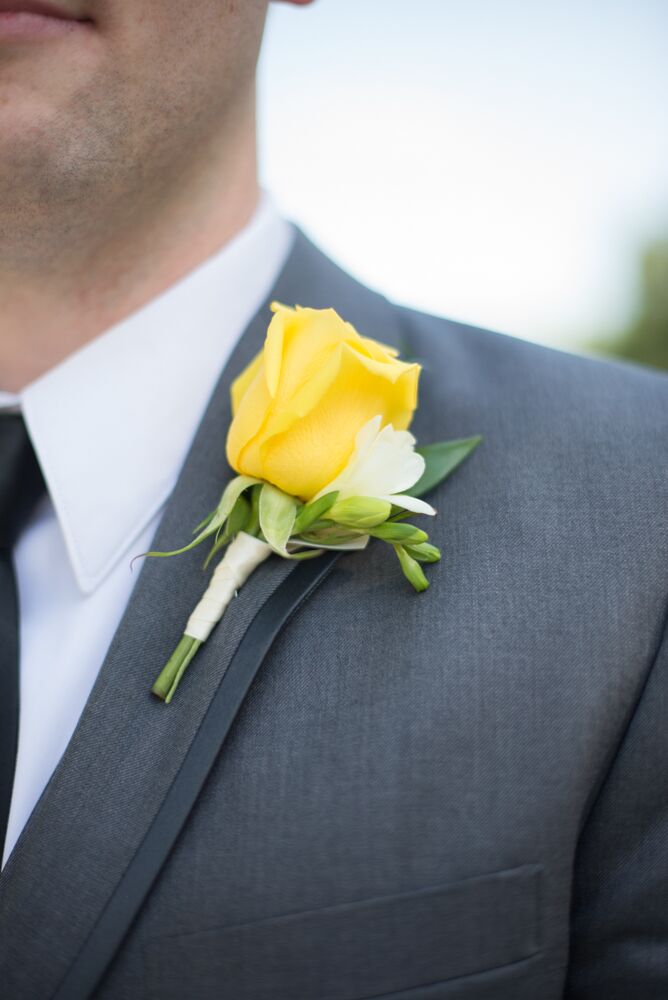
point(112, 424)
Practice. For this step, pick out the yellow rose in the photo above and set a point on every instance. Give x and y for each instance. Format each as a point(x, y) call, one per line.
point(300, 403)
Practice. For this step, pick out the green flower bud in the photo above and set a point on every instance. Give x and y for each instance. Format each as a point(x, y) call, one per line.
point(425, 552)
point(407, 534)
point(411, 569)
point(360, 512)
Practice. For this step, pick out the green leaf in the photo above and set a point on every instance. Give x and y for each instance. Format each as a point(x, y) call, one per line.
point(234, 489)
point(204, 522)
point(236, 522)
point(232, 492)
point(411, 569)
point(277, 517)
point(313, 511)
point(441, 459)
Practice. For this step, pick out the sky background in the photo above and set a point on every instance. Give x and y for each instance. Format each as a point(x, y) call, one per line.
point(501, 162)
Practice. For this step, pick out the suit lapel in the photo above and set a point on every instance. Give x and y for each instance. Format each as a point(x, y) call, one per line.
point(129, 750)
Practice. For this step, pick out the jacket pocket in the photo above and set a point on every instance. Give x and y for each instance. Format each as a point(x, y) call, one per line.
point(355, 950)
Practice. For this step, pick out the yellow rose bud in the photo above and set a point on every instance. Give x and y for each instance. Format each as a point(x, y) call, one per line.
point(300, 403)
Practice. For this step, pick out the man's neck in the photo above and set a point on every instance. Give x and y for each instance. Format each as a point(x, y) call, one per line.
point(55, 307)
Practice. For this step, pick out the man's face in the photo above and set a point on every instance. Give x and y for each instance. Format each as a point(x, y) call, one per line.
point(117, 92)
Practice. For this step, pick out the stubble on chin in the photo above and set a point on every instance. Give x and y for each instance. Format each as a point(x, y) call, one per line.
point(133, 120)
point(62, 171)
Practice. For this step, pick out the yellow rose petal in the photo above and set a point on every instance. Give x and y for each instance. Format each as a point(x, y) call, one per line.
point(318, 445)
point(243, 381)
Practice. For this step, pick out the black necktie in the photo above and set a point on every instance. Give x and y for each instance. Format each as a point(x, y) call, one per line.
point(21, 485)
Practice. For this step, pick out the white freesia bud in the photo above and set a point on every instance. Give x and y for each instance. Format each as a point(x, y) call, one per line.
point(242, 556)
point(383, 464)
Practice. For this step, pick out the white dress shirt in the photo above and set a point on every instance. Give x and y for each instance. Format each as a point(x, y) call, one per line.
point(111, 426)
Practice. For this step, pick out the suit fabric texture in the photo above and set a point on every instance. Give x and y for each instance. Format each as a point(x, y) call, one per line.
point(458, 794)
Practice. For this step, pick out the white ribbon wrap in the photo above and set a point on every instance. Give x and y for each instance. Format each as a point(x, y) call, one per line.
point(243, 555)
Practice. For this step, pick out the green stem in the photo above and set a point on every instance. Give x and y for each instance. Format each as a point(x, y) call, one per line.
point(171, 674)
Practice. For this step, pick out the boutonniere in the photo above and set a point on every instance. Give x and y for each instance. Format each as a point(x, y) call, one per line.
point(320, 441)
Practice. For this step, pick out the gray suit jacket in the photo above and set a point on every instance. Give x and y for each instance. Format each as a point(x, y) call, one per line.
point(462, 794)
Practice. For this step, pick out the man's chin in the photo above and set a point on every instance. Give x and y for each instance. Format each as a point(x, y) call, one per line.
point(37, 139)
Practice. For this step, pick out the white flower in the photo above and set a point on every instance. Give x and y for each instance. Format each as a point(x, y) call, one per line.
point(383, 464)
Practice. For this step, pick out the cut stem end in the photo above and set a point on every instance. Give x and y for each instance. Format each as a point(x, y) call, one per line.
point(171, 674)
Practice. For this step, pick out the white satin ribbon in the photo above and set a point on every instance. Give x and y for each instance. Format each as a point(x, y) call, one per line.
point(243, 555)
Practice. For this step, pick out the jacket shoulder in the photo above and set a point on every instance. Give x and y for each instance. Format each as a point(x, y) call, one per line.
point(555, 387)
